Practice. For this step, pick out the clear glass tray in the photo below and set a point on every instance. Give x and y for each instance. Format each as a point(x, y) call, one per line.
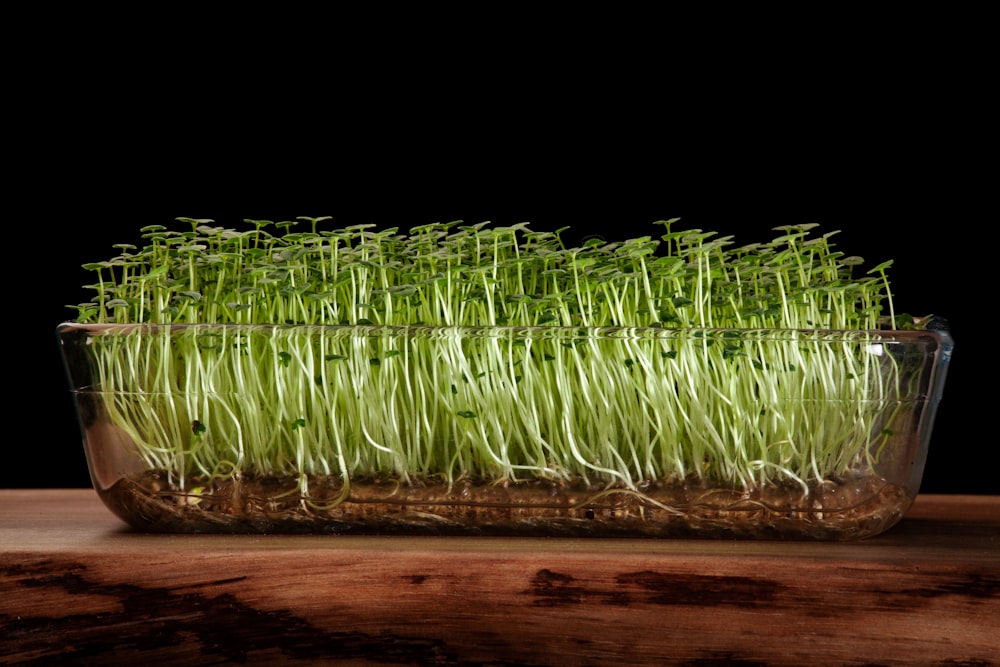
point(506, 430)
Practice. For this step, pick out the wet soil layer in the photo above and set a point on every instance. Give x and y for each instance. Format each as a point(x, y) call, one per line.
point(847, 510)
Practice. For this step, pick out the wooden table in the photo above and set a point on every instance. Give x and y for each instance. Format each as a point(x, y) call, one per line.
point(78, 587)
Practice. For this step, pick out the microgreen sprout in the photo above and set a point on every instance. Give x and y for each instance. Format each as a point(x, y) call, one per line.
point(492, 353)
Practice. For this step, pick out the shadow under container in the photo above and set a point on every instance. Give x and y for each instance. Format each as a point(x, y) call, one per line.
point(531, 431)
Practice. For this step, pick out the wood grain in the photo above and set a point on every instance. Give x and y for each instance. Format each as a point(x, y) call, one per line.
point(78, 587)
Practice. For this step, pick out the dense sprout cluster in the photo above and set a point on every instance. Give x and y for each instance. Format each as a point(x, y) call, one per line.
point(491, 353)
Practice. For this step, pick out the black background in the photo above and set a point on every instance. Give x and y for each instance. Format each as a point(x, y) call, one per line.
point(605, 140)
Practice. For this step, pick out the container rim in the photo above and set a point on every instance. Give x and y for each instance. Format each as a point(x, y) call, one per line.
point(940, 333)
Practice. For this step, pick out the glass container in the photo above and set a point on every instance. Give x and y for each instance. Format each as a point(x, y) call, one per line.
point(528, 431)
